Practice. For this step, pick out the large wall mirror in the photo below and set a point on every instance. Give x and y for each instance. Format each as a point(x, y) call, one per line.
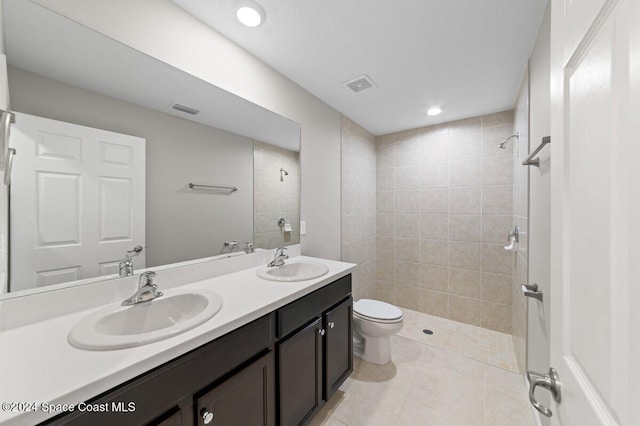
point(117, 151)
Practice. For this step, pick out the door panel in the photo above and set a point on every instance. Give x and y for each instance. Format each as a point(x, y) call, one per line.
point(594, 182)
point(77, 201)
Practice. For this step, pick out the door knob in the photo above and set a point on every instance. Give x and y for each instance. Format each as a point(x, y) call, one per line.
point(206, 416)
point(332, 324)
point(548, 381)
point(322, 331)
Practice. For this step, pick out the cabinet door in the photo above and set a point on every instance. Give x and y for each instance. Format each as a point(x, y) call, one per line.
point(338, 346)
point(300, 374)
point(245, 399)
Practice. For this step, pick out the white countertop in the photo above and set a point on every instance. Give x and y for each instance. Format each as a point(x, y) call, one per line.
point(38, 365)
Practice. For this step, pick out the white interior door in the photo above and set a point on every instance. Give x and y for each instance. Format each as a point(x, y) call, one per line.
point(77, 201)
point(595, 274)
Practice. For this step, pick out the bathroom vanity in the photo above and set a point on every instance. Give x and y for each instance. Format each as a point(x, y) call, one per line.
point(279, 368)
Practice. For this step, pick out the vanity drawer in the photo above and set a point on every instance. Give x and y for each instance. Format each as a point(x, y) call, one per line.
point(296, 314)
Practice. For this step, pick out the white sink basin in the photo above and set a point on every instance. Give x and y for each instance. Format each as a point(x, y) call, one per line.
point(295, 271)
point(118, 327)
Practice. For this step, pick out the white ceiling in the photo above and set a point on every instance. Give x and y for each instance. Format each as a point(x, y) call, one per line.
point(467, 56)
point(42, 42)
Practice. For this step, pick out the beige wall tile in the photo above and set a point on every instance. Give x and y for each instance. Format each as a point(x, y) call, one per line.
point(434, 252)
point(407, 177)
point(434, 278)
point(385, 202)
point(496, 259)
point(464, 172)
point(434, 148)
point(464, 255)
point(497, 170)
point(497, 317)
point(466, 310)
point(407, 273)
point(385, 224)
point(496, 288)
point(407, 202)
point(408, 297)
point(497, 200)
point(434, 201)
point(383, 290)
point(407, 226)
point(495, 229)
point(434, 303)
point(464, 200)
point(385, 179)
point(385, 247)
point(407, 249)
point(465, 143)
point(463, 282)
point(385, 269)
point(407, 150)
point(385, 156)
point(465, 228)
point(434, 175)
point(434, 226)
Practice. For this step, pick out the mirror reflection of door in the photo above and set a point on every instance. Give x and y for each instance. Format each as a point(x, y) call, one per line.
point(76, 202)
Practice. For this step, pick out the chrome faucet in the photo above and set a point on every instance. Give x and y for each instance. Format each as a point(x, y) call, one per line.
point(126, 264)
point(147, 290)
point(279, 258)
point(248, 247)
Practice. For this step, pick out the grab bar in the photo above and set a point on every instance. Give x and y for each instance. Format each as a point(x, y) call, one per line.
point(8, 164)
point(536, 161)
point(230, 188)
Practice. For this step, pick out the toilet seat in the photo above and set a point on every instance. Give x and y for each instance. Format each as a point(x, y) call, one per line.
point(377, 311)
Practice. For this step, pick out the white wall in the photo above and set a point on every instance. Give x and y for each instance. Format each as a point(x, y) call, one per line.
point(180, 224)
point(177, 38)
point(540, 207)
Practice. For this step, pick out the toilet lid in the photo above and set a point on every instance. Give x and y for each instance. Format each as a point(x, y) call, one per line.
point(376, 309)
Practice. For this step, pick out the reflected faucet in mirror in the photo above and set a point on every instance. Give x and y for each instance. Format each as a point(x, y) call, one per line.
point(126, 264)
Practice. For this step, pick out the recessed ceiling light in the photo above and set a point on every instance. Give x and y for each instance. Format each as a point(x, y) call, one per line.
point(250, 13)
point(434, 111)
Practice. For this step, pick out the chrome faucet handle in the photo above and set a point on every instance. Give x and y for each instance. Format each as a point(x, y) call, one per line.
point(146, 278)
point(248, 247)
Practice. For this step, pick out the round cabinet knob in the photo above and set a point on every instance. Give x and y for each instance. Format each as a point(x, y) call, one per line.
point(207, 417)
point(332, 324)
point(322, 331)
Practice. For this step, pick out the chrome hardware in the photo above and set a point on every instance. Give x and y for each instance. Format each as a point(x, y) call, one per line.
point(322, 331)
point(126, 264)
point(332, 324)
point(281, 222)
point(206, 416)
point(515, 234)
point(248, 247)
point(530, 161)
point(147, 290)
point(196, 186)
point(279, 258)
point(231, 243)
point(8, 165)
point(503, 144)
point(548, 381)
point(531, 290)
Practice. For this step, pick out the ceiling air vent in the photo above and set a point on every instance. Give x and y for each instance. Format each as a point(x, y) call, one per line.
point(185, 109)
point(360, 83)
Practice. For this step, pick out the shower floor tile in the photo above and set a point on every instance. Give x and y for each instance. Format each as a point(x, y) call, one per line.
point(488, 346)
point(434, 382)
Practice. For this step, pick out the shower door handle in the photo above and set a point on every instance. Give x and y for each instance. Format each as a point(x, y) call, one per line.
point(548, 381)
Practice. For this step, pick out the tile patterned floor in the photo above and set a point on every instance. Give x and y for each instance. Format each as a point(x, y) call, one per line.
point(433, 382)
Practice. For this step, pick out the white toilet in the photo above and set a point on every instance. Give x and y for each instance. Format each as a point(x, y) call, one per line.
point(374, 322)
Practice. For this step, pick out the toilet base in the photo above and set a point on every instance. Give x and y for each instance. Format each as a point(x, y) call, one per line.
point(376, 350)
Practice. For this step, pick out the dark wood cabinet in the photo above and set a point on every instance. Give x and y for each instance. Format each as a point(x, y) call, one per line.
point(317, 358)
point(245, 399)
point(300, 378)
point(338, 348)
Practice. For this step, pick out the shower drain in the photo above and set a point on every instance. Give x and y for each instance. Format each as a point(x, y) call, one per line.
point(427, 331)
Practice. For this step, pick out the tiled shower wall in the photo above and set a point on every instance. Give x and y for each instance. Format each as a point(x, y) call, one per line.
point(359, 206)
point(520, 218)
point(275, 195)
point(444, 208)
